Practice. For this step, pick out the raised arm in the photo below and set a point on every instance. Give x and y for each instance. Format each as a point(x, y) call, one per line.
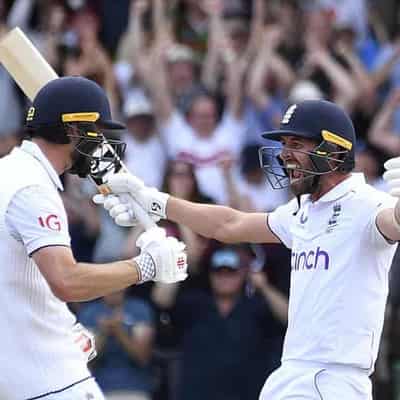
point(345, 91)
point(235, 70)
point(262, 67)
point(381, 132)
point(218, 222)
point(149, 63)
point(256, 29)
point(357, 70)
point(216, 39)
point(381, 74)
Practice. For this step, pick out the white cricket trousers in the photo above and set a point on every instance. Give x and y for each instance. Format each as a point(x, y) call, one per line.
point(302, 380)
point(86, 390)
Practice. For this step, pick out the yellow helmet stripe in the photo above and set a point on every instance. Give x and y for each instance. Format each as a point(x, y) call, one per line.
point(93, 134)
point(336, 139)
point(80, 117)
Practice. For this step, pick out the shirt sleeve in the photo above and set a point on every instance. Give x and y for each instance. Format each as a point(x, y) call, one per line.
point(235, 128)
point(381, 202)
point(36, 217)
point(171, 130)
point(280, 220)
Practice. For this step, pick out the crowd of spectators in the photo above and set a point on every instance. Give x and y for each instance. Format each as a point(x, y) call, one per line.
point(197, 82)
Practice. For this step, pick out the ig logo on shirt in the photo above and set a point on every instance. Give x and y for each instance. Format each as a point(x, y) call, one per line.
point(51, 222)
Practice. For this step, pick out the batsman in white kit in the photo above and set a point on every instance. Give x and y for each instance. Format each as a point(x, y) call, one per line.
point(342, 232)
point(44, 353)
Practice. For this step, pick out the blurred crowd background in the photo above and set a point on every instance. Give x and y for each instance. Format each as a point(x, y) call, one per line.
point(197, 82)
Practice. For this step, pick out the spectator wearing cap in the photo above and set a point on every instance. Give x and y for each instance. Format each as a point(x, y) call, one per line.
point(144, 152)
point(182, 70)
point(230, 342)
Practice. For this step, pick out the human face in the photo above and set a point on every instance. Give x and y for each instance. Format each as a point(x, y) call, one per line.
point(227, 282)
point(141, 126)
point(203, 116)
point(181, 75)
point(181, 180)
point(296, 160)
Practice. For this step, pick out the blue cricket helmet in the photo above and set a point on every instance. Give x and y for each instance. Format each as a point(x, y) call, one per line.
point(71, 99)
point(322, 121)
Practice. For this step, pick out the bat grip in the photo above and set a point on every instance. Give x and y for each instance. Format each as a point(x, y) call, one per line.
point(142, 216)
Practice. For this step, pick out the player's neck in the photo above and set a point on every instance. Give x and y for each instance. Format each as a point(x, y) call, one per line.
point(327, 183)
point(57, 154)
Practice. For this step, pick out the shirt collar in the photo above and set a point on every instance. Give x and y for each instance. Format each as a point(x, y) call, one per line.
point(34, 150)
point(354, 181)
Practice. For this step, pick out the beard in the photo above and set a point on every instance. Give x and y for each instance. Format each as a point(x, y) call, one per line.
point(306, 185)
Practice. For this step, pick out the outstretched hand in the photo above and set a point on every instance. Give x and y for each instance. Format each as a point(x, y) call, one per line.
point(124, 187)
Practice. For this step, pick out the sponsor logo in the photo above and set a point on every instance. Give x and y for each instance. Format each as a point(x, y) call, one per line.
point(303, 218)
point(30, 114)
point(51, 222)
point(181, 262)
point(333, 220)
point(155, 207)
point(288, 114)
point(310, 260)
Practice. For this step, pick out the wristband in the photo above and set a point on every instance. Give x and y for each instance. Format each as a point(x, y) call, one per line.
point(146, 267)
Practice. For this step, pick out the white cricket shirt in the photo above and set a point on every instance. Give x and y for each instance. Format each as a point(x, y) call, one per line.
point(205, 153)
point(38, 354)
point(339, 274)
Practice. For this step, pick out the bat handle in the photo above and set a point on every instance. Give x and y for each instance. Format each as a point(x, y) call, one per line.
point(142, 216)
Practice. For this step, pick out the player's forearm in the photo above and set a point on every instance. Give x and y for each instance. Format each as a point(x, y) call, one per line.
point(207, 220)
point(388, 222)
point(277, 301)
point(85, 282)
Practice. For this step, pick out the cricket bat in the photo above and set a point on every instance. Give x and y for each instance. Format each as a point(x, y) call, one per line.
point(31, 72)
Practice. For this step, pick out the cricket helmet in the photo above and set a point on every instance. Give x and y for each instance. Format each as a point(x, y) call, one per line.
point(80, 104)
point(322, 121)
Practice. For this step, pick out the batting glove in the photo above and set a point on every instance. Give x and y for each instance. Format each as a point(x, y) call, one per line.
point(162, 258)
point(392, 175)
point(120, 208)
point(150, 199)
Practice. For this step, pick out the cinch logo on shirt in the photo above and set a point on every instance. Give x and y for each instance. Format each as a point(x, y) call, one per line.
point(310, 260)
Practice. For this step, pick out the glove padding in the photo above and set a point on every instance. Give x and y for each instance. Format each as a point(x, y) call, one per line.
point(392, 175)
point(150, 199)
point(167, 254)
point(120, 208)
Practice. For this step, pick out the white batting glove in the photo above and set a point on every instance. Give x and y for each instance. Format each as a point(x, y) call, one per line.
point(120, 208)
point(392, 175)
point(162, 258)
point(150, 199)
